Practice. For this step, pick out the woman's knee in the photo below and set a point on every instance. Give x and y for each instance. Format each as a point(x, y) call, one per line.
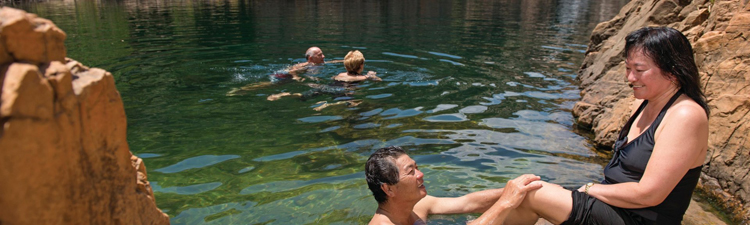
point(551, 202)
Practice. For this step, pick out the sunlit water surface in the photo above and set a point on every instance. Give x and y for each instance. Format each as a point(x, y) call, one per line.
point(478, 92)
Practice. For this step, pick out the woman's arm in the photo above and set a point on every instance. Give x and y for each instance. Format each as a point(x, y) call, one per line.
point(371, 75)
point(681, 143)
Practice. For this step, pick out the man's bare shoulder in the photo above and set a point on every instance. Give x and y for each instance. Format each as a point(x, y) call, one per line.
point(422, 208)
point(380, 219)
point(298, 66)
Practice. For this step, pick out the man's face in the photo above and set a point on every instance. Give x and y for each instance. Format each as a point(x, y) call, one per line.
point(411, 183)
point(317, 57)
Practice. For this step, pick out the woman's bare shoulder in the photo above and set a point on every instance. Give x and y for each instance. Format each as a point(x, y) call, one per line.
point(686, 108)
point(341, 77)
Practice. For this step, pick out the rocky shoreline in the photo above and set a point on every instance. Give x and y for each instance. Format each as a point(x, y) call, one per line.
point(719, 31)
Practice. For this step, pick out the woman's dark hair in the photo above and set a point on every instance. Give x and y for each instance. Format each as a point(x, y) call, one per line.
point(673, 54)
point(381, 169)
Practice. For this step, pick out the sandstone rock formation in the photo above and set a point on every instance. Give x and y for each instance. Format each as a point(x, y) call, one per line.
point(64, 158)
point(720, 33)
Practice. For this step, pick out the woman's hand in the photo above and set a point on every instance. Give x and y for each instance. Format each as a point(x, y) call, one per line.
point(371, 75)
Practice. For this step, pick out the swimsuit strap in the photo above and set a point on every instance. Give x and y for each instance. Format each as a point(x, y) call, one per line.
point(663, 111)
point(626, 129)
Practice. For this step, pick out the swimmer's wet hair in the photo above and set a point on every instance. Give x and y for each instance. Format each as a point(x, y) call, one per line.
point(353, 60)
point(381, 169)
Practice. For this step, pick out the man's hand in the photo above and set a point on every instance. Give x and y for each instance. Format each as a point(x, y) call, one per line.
point(516, 189)
point(513, 194)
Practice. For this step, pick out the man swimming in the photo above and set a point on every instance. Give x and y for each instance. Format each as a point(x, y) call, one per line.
point(314, 57)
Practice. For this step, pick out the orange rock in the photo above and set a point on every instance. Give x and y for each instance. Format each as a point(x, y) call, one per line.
point(25, 93)
point(30, 39)
point(739, 23)
point(63, 147)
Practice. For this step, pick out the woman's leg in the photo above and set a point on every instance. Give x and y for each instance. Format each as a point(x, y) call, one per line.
point(551, 202)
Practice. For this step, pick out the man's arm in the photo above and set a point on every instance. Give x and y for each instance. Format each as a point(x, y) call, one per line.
point(297, 69)
point(513, 194)
point(494, 204)
point(476, 202)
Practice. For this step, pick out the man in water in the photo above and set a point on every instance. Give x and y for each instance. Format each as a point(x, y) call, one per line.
point(314, 56)
point(398, 187)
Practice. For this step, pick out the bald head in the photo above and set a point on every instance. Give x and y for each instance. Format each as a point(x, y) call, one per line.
point(315, 55)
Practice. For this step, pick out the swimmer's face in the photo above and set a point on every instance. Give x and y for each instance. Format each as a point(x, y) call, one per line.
point(318, 57)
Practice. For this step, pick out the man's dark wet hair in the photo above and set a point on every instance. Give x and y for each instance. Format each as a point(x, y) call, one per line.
point(672, 53)
point(381, 169)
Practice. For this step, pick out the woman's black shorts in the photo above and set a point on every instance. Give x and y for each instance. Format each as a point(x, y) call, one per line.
point(590, 210)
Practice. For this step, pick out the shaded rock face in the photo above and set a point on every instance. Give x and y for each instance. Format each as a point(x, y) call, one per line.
point(64, 158)
point(720, 33)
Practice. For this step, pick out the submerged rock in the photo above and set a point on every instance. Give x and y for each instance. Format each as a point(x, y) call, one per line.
point(64, 157)
point(719, 31)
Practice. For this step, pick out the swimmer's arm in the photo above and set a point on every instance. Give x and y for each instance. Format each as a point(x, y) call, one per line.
point(298, 69)
point(371, 75)
point(312, 78)
point(334, 61)
point(297, 78)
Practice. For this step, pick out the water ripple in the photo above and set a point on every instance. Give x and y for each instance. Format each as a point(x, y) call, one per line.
point(186, 190)
point(454, 117)
point(196, 162)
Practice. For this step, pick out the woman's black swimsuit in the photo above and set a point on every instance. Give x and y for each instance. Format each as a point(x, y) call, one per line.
point(628, 165)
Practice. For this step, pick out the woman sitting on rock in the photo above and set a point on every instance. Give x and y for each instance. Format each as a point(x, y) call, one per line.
point(659, 153)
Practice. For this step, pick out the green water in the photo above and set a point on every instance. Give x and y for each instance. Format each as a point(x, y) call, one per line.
point(478, 92)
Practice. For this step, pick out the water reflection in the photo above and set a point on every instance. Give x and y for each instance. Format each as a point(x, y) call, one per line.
point(478, 91)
